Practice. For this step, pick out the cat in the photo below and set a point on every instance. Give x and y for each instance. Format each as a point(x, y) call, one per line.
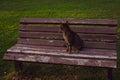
point(71, 38)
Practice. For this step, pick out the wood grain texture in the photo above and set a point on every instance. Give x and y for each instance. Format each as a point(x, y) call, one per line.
point(60, 60)
point(60, 43)
point(87, 30)
point(71, 21)
point(59, 36)
point(60, 51)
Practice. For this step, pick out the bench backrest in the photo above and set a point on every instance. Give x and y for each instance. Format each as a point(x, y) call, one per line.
point(99, 34)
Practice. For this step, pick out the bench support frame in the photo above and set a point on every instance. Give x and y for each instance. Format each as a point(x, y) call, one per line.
point(110, 76)
point(18, 66)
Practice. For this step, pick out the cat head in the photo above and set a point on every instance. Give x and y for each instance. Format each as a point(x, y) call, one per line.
point(65, 26)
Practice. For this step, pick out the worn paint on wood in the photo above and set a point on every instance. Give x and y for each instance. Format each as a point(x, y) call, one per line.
point(49, 52)
point(60, 60)
point(71, 21)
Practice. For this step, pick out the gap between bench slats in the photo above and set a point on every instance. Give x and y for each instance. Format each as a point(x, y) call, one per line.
point(101, 45)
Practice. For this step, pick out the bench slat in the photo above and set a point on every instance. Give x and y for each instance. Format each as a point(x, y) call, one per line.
point(58, 36)
point(71, 21)
point(58, 54)
point(60, 60)
point(101, 45)
point(85, 30)
point(30, 49)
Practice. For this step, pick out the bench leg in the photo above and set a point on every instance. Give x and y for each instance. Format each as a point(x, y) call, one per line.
point(110, 76)
point(18, 66)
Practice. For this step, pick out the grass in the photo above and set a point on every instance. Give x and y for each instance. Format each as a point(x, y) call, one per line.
point(12, 10)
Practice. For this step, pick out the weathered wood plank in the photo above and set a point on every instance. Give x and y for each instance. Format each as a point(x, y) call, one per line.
point(71, 21)
point(40, 42)
point(58, 36)
point(60, 60)
point(60, 43)
point(39, 28)
point(40, 35)
point(95, 30)
point(22, 47)
point(85, 30)
point(100, 45)
point(47, 52)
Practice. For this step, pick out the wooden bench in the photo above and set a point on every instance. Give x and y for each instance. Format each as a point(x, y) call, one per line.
point(40, 40)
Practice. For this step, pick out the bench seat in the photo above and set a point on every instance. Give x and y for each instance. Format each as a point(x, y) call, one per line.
point(58, 55)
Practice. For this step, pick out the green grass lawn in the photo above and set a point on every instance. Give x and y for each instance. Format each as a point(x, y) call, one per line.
point(12, 10)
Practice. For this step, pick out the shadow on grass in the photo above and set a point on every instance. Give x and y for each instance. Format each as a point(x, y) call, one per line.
point(58, 72)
